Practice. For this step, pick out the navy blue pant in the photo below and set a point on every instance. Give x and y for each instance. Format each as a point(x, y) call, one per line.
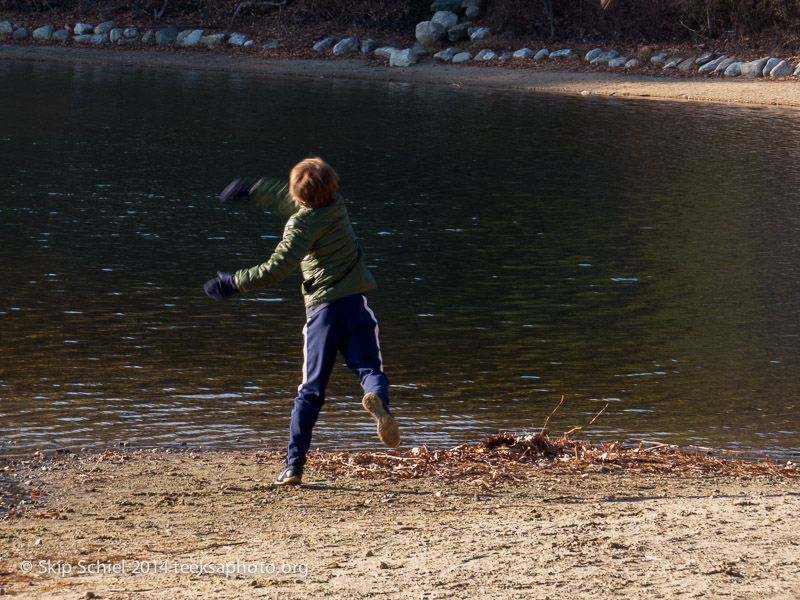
point(346, 325)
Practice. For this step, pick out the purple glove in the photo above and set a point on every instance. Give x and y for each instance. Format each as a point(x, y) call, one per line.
point(238, 190)
point(221, 287)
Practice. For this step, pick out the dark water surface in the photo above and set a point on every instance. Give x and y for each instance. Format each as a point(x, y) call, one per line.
point(637, 253)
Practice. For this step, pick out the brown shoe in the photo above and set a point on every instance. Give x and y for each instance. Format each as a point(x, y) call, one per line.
point(388, 432)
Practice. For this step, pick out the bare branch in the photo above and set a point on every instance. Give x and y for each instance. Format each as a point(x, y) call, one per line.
point(253, 3)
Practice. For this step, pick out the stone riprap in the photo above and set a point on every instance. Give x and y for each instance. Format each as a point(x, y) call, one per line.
point(451, 22)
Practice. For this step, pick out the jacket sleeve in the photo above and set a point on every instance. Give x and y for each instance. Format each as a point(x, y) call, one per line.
point(286, 257)
point(273, 195)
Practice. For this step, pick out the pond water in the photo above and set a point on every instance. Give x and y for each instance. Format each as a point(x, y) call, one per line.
point(640, 254)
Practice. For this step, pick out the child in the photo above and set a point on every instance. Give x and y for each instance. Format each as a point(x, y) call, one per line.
point(319, 238)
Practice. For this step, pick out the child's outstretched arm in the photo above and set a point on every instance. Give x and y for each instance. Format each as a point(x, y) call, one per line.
point(265, 193)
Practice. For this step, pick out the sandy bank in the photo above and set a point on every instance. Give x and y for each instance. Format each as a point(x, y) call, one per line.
point(211, 525)
point(695, 88)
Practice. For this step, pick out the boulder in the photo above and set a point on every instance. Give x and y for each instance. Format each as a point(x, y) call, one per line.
point(6, 28)
point(445, 55)
point(115, 35)
point(324, 45)
point(450, 5)
point(604, 57)
point(82, 29)
point(480, 33)
point(43, 33)
point(796, 71)
point(782, 69)
point(592, 54)
point(466, 56)
point(445, 18)
point(347, 46)
point(473, 12)
point(507, 55)
point(712, 64)
point(543, 53)
point(523, 53)
point(429, 33)
point(459, 33)
point(723, 66)
point(734, 69)
point(99, 38)
point(84, 39)
point(104, 28)
point(20, 34)
point(486, 54)
point(213, 41)
point(672, 62)
point(704, 58)
point(166, 36)
point(61, 34)
point(687, 64)
point(753, 68)
point(239, 39)
point(403, 58)
point(130, 32)
point(385, 51)
point(565, 53)
point(190, 37)
point(149, 37)
point(659, 58)
point(617, 62)
point(368, 46)
point(634, 62)
point(771, 64)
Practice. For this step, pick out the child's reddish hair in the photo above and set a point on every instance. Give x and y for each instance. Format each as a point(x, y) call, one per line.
point(313, 183)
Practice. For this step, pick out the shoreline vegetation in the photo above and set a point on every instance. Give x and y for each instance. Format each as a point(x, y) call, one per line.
point(618, 51)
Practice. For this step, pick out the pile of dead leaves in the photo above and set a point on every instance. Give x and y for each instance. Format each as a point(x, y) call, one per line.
point(509, 458)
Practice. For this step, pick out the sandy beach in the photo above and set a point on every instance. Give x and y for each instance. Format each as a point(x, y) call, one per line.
point(675, 87)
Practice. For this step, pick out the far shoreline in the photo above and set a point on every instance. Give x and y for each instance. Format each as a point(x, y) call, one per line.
point(710, 89)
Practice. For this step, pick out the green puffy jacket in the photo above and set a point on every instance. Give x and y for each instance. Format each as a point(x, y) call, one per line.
point(320, 240)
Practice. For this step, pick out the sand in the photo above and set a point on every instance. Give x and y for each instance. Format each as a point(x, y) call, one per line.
point(582, 80)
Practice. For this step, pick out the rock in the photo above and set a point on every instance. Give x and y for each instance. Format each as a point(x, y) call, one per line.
point(130, 32)
point(592, 54)
point(753, 68)
point(104, 28)
point(450, 5)
point(722, 67)
point(480, 33)
point(445, 55)
point(543, 53)
point(604, 57)
point(465, 56)
point(368, 46)
point(238, 39)
point(20, 34)
point(61, 34)
point(473, 12)
point(658, 59)
point(796, 71)
point(634, 62)
point(617, 62)
point(565, 53)
point(734, 69)
point(43, 33)
point(166, 36)
point(385, 51)
point(782, 69)
point(99, 38)
point(523, 53)
point(419, 50)
point(771, 64)
point(273, 45)
point(85, 38)
point(429, 33)
point(486, 54)
point(128, 41)
point(687, 64)
point(704, 59)
point(189, 37)
point(149, 37)
point(507, 55)
point(347, 46)
point(248, 42)
point(403, 58)
point(82, 29)
point(459, 33)
point(712, 64)
point(115, 35)
point(672, 62)
point(445, 18)
point(213, 41)
point(324, 45)
point(6, 28)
